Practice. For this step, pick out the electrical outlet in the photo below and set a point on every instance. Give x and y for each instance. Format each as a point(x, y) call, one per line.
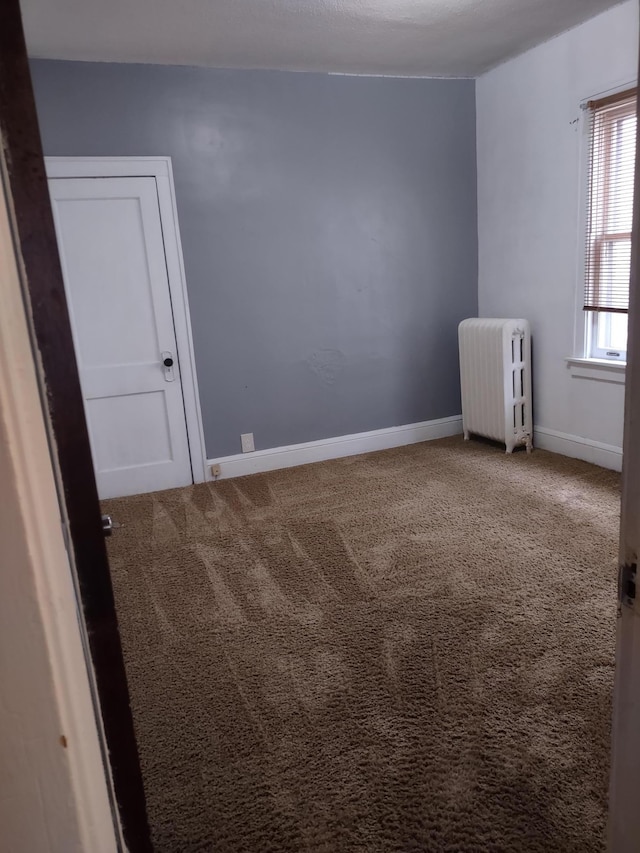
point(247, 442)
point(215, 471)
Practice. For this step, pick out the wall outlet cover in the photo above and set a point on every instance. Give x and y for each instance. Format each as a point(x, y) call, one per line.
point(248, 445)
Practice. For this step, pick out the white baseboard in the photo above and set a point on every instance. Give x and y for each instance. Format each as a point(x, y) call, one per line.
point(605, 455)
point(333, 448)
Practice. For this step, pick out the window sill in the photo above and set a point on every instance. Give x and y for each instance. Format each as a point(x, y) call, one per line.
point(600, 369)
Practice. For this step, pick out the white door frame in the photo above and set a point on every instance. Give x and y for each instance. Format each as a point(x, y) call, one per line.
point(159, 168)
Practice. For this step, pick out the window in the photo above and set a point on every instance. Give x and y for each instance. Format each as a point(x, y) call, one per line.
point(612, 126)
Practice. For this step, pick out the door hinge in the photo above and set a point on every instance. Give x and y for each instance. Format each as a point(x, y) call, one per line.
point(627, 584)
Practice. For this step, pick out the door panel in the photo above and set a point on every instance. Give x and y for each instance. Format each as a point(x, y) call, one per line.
point(110, 240)
point(147, 440)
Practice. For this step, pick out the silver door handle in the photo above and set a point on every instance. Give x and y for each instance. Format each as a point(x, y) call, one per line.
point(167, 365)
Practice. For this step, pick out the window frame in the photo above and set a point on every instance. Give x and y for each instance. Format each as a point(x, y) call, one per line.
point(590, 322)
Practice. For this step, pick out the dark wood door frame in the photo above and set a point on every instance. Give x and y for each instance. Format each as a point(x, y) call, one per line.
point(46, 306)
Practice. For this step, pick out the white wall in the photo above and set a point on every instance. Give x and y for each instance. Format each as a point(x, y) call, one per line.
point(530, 147)
point(53, 791)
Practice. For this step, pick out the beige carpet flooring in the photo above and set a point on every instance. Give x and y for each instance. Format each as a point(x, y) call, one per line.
point(405, 651)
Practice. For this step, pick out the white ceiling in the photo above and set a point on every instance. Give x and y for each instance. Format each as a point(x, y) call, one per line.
point(451, 38)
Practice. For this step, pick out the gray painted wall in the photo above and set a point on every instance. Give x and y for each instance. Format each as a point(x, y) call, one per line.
point(329, 230)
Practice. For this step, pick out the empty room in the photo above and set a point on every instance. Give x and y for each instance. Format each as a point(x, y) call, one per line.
point(343, 297)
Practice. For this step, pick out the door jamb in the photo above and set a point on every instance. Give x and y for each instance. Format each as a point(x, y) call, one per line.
point(161, 169)
point(56, 656)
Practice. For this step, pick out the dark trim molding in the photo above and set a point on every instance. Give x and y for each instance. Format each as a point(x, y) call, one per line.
point(37, 248)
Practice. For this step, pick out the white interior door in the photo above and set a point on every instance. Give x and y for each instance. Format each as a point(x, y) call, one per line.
point(624, 790)
point(113, 262)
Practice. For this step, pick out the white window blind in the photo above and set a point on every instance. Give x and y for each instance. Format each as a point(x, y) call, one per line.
point(610, 213)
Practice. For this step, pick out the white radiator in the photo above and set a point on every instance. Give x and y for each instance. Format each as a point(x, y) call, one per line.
point(495, 379)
